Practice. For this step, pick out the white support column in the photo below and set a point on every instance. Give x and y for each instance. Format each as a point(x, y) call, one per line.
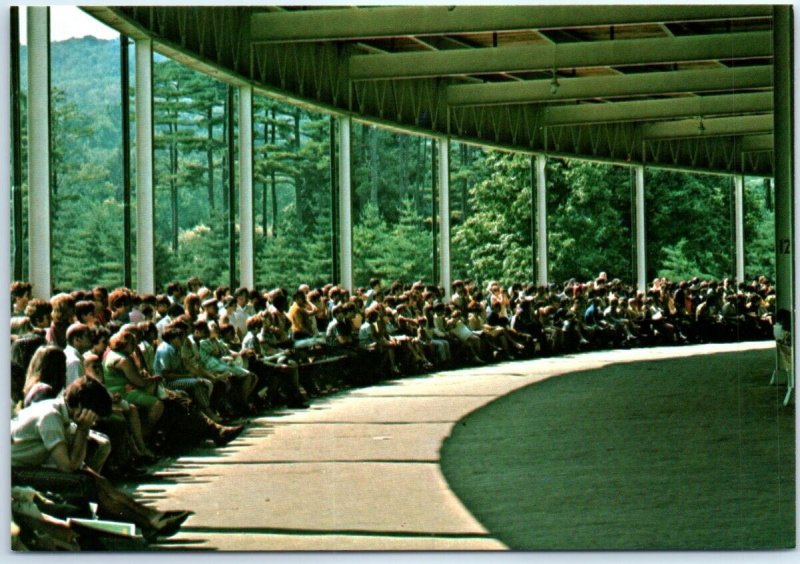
point(444, 215)
point(345, 205)
point(738, 212)
point(641, 245)
point(246, 264)
point(541, 221)
point(39, 152)
point(786, 235)
point(145, 259)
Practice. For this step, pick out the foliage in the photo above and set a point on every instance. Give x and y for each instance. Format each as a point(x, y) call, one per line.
point(691, 207)
point(589, 220)
point(496, 240)
point(394, 195)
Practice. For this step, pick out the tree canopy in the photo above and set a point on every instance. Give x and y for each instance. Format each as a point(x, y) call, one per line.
point(688, 216)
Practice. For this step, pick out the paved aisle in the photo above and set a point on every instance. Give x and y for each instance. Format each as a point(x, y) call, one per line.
point(358, 471)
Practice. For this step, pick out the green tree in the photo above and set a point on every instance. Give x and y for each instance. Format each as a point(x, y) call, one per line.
point(589, 227)
point(495, 240)
point(694, 208)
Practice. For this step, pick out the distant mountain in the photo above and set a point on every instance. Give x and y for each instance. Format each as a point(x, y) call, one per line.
point(86, 69)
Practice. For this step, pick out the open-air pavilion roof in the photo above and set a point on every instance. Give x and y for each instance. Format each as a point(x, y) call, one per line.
point(682, 86)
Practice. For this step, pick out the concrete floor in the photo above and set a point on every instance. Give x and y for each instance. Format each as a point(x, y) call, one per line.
point(358, 470)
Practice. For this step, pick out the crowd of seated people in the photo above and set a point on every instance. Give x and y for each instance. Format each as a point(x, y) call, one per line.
point(189, 366)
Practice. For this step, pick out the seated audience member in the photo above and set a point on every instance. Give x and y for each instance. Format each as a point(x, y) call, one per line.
point(240, 381)
point(375, 288)
point(176, 293)
point(20, 326)
point(438, 349)
point(210, 311)
point(371, 339)
point(123, 411)
point(62, 316)
point(193, 284)
point(145, 391)
point(174, 311)
point(227, 333)
point(79, 340)
point(123, 379)
point(321, 317)
point(339, 335)
point(221, 294)
point(494, 337)
point(471, 343)
point(191, 307)
point(391, 331)
point(39, 312)
point(617, 320)
point(277, 331)
point(22, 351)
point(148, 335)
point(275, 368)
point(41, 437)
point(85, 313)
point(244, 310)
point(20, 296)
point(526, 323)
point(46, 375)
point(553, 329)
point(217, 384)
point(119, 302)
point(135, 314)
point(46, 379)
point(168, 365)
point(302, 316)
point(100, 299)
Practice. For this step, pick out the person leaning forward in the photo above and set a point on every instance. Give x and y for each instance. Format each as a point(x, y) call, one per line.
point(53, 434)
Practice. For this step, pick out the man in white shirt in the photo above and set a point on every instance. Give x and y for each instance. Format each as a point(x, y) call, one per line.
point(79, 340)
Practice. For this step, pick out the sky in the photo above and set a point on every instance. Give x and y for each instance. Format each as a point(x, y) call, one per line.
point(69, 21)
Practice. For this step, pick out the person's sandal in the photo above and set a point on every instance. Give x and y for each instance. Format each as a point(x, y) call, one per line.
point(227, 434)
point(171, 522)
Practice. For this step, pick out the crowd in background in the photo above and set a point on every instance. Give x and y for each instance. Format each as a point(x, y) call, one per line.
point(121, 378)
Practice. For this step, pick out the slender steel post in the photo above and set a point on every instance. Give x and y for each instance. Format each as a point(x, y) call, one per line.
point(641, 249)
point(435, 266)
point(345, 205)
point(532, 227)
point(444, 215)
point(738, 220)
point(246, 245)
point(145, 238)
point(334, 202)
point(541, 220)
point(127, 275)
point(39, 152)
point(16, 149)
point(231, 190)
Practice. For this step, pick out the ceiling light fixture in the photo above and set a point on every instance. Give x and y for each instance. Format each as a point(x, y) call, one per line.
point(554, 85)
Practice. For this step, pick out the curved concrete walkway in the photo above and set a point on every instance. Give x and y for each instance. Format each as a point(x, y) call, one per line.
point(358, 470)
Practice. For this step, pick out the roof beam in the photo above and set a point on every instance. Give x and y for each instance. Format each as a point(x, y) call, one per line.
point(640, 84)
point(646, 110)
point(757, 143)
point(369, 23)
point(716, 127)
point(565, 55)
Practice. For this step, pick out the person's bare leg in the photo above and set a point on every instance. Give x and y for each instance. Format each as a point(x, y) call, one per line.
point(153, 416)
point(135, 427)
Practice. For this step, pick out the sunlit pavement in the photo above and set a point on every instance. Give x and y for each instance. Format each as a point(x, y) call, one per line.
point(358, 470)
